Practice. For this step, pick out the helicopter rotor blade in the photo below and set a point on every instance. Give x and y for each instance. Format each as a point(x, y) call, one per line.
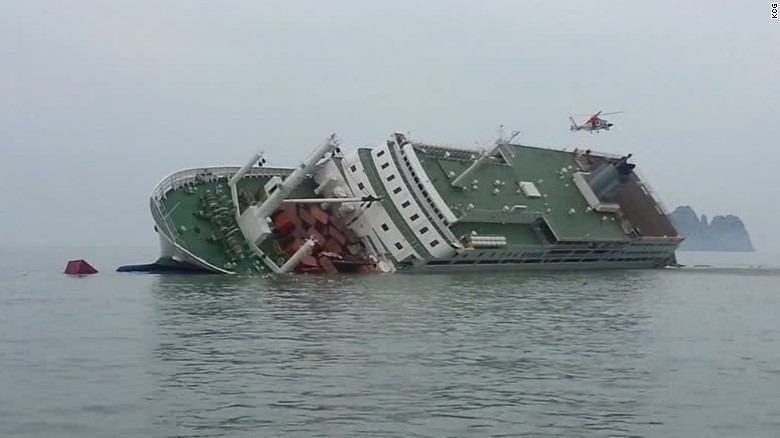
point(600, 113)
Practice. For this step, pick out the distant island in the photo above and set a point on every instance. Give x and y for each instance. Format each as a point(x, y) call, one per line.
point(724, 233)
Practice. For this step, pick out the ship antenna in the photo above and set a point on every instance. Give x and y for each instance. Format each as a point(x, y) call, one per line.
point(501, 139)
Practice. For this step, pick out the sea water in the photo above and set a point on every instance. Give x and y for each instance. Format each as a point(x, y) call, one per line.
point(689, 352)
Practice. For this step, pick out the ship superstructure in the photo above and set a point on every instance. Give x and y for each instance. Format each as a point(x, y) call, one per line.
point(409, 206)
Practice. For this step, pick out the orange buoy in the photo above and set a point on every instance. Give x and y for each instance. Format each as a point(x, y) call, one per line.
point(79, 267)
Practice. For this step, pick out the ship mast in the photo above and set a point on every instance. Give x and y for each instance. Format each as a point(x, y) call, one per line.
point(462, 179)
point(254, 221)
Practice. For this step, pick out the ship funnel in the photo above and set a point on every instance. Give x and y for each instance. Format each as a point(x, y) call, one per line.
point(623, 167)
point(609, 175)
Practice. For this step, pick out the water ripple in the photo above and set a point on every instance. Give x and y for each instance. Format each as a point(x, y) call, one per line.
point(618, 354)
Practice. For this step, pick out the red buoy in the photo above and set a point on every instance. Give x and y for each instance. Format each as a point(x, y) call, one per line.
point(79, 267)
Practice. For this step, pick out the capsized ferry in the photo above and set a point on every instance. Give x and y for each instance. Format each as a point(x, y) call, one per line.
point(412, 206)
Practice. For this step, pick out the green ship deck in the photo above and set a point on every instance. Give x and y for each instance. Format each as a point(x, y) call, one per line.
point(192, 208)
point(540, 166)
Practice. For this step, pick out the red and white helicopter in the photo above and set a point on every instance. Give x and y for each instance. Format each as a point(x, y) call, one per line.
point(594, 123)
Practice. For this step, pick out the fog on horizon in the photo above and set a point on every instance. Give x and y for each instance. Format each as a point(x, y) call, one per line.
point(101, 100)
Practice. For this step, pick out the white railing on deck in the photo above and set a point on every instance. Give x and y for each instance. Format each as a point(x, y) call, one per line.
point(163, 222)
point(442, 147)
point(189, 176)
point(649, 190)
point(580, 152)
point(186, 177)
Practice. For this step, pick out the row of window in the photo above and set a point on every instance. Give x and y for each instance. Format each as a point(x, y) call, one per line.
point(390, 178)
point(524, 261)
point(423, 230)
point(407, 203)
point(571, 244)
point(553, 253)
point(421, 187)
point(496, 254)
point(416, 216)
point(604, 251)
point(404, 205)
point(361, 186)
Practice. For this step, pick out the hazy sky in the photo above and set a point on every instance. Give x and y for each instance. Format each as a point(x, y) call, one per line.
point(99, 100)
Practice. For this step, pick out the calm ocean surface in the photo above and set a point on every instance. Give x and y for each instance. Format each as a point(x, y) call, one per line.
point(673, 353)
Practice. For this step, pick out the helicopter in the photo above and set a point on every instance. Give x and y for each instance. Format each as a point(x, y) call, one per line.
point(593, 124)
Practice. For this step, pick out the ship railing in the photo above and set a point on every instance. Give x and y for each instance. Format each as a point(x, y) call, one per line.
point(454, 152)
point(660, 239)
point(163, 221)
point(165, 227)
point(582, 163)
point(460, 152)
point(599, 154)
point(186, 177)
point(648, 189)
point(477, 215)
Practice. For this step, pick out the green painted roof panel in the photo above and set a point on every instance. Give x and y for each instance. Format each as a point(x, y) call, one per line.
point(537, 165)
